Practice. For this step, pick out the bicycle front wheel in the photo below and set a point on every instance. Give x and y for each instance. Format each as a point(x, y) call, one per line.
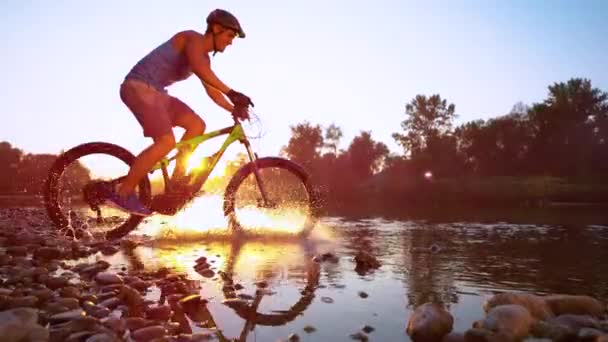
point(288, 202)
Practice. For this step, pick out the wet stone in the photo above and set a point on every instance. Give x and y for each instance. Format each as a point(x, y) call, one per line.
point(47, 253)
point(110, 303)
point(161, 313)
point(70, 292)
point(55, 283)
point(309, 329)
point(363, 294)
point(98, 311)
point(293, 338)
point(261, 284)
point(135, 323)
point(101, 337)
point(67, 316)
point(106, 278)
point(359, 337)
point(108, 250)
point(149, 333)
point(367, 329)
point(25, 301)
point(327, 300)
point(70, 303)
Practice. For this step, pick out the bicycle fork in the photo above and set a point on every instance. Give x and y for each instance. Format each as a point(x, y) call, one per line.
point(256, 173)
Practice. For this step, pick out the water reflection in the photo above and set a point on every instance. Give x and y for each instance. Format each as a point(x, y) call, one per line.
point(456, 263)
point(266, 282)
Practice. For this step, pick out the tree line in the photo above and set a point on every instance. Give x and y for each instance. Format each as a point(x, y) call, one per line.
point(553, 150)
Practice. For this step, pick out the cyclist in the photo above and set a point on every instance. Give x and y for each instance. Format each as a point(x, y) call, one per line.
point(144, 92)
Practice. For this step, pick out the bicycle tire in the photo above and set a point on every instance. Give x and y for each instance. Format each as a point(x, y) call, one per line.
point(51, 188)
point(269, 162)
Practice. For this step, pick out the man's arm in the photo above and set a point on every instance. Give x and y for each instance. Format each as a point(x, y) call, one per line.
point(219, 98)
point(201, 66)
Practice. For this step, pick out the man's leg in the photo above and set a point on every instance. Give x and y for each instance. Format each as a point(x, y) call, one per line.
point(145, 161)
point(193, 124)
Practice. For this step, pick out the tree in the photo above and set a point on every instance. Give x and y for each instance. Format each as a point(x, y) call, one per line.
point(427, 117)
point(10, 158)
point(366, 155)
point(333, 134)
point(305, 143)
point(565, 125)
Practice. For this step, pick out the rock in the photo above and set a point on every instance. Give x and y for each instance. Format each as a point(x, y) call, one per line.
point(23, 301)
point(359, 336)
point(16, 250)
point(17, 324)
point(101, 337)
point(564, 327)
point(575, 322)
point(161, 313)
point(67, 316)
point(107, 278)
point(510, 320)
point(591, 334)
point(131, 297)
point(429, 322)
point(98, 311)
point(117, 325)
point(453, 337)
point(575, 304)
point(55, 283)
point(245, 296)
point(110, 303)
point(207, 273)
point(327, 300)
point(47, 253)
point(309, 329)
point(536, 305)
point(70, 292)
point(70, 303)
point(262, 284)
point(367, 329)
point(293, 338)
point(149, 333)
point(108, 250)
point(363, 294)
point(365, 263)
point(203, 336)
point(135, 323)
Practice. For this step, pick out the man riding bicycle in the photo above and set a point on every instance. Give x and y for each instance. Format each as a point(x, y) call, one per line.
point(144, 93)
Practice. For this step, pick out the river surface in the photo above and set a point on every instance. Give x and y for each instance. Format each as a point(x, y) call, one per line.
point(459, 260)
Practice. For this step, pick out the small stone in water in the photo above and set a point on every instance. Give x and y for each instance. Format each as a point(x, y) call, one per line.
point(309, 329)
point(367, 329)
point(293, 338)
point(359, 337)
point(261, 284)
point(105, 278)
point(327, 300)
point(363, 294)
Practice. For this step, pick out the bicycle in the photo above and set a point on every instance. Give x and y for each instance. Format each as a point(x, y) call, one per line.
point(168, 202)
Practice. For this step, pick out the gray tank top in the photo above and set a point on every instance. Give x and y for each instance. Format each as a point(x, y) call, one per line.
point(161, 67)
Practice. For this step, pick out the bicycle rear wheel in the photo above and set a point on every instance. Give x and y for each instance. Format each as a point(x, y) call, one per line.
point(74, 210)
point(287, 186)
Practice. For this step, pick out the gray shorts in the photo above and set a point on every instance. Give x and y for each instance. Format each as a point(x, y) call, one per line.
point(156, 111)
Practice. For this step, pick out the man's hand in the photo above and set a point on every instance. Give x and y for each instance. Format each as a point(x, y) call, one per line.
point(241, 112)
point(239, 99)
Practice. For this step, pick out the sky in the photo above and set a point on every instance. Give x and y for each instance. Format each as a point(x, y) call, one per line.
point(348, 62)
